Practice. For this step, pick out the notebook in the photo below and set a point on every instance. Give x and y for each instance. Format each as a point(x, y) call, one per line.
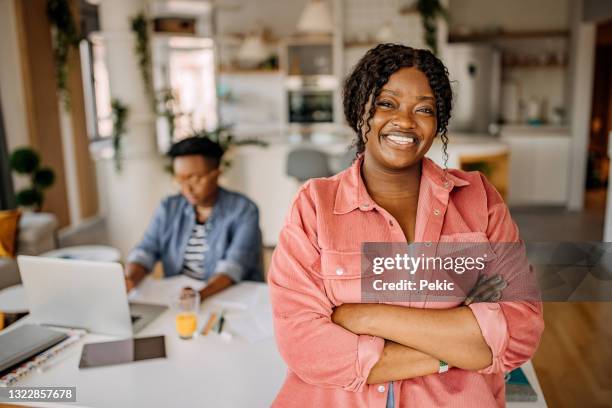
point(24, 342)
point(518, 388)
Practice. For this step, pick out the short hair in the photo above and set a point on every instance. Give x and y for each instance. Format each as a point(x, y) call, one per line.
point(197, 145)
point(372, 72)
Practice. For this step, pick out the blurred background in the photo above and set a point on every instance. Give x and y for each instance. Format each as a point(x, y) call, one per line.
point(92, 94)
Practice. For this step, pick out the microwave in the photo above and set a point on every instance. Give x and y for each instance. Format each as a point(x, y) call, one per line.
point(311, 106)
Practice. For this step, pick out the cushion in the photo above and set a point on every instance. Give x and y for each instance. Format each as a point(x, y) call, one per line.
point(9, 223)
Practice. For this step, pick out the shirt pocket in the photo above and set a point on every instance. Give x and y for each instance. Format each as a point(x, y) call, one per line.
point(341, 275)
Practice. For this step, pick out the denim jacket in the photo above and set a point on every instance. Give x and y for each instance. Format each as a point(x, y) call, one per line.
point(234, 237)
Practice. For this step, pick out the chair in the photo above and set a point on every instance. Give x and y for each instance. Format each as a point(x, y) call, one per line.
point(305, 163)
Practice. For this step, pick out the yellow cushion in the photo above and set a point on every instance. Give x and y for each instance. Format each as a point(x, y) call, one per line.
point(9, 223)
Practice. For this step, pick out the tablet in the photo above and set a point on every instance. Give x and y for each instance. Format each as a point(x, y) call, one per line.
point(122, 351)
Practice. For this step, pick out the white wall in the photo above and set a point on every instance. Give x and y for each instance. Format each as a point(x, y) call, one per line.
point(12, 94)
point(129, 198)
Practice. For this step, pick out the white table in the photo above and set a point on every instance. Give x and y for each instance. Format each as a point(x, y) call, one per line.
point(206, 371)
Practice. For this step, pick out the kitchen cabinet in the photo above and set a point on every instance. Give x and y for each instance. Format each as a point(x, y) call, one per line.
point(539, 167)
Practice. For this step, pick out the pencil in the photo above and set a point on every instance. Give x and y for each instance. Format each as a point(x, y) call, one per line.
point(210, 323)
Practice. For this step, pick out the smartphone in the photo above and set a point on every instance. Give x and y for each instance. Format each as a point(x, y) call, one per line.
point(122, 351)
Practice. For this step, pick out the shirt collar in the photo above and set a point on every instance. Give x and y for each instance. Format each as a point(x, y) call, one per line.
point(218, 206)
point(353, 194)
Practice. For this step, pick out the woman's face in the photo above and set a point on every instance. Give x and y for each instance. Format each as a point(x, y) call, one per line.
point(404, 124)
point(196, 177)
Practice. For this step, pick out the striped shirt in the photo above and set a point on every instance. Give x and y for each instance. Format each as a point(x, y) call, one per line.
point(195, 251)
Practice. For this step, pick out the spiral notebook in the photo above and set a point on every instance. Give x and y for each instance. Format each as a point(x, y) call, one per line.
point(49, 343)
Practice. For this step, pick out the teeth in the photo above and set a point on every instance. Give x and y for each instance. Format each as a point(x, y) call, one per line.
point(401, 139)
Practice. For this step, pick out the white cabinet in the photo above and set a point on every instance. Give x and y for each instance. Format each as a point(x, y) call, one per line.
point(539, 168)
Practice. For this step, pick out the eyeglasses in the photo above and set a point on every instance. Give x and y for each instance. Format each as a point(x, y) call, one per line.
point(191, 180)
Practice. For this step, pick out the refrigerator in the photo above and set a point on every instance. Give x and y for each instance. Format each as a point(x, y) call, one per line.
point(475, 74)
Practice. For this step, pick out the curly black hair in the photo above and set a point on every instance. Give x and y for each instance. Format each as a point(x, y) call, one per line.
point(372, 72)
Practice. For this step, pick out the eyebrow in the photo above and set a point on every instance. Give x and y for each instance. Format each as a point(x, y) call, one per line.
point(420, 97)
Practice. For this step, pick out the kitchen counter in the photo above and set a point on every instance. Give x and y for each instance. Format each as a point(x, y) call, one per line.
point(528, 130)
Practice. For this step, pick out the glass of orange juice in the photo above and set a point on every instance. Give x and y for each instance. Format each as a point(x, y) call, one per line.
point(186, 307)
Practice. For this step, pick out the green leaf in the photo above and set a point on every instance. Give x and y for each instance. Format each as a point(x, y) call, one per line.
point(24, 160)
point(43, 178)
point(29, 197)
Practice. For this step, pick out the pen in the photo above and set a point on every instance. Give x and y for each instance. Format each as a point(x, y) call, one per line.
point(221, 321)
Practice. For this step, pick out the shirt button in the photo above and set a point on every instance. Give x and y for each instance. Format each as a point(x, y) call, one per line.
point(381, 388)
point(339, 271)
point(365, 205)
point(428, 244)
point(436, 212)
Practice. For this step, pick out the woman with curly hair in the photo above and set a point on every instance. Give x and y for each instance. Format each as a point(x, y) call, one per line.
point(342, 352)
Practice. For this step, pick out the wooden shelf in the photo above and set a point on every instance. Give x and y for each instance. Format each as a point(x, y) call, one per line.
point(249, 71)
point(364, 44)
point(508, 35)
point(533, 66)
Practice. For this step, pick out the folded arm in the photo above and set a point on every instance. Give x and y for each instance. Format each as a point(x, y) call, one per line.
point(399, 362)
point(452, 335)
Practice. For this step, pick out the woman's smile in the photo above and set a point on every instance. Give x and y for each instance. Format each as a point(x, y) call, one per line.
point(401, 141)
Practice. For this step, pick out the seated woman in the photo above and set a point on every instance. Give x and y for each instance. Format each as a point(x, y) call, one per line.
point(205, 232)
point(345, 353)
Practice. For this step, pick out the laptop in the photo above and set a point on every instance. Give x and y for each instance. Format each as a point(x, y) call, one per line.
point(82, 294)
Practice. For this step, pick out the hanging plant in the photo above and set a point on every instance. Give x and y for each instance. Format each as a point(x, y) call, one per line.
point(65, 37)
point(168, 108)
point(119, 113)
point(430, 10)
point(140, 27)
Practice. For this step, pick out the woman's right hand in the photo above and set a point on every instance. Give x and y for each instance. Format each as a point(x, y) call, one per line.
point(486, 290)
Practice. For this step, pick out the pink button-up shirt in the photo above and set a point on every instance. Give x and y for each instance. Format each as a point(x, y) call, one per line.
point(316, 267)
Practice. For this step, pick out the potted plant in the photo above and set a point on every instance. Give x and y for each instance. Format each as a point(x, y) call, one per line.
point(25, 161)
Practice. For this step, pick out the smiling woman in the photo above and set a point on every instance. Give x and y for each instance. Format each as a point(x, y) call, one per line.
point(345, 353)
